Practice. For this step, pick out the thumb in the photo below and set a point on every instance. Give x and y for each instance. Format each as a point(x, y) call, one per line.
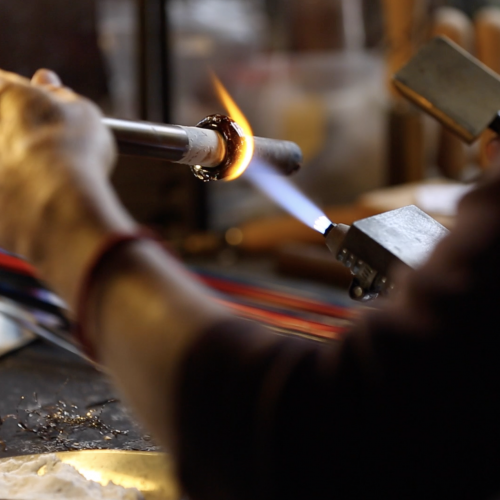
point(46, 77)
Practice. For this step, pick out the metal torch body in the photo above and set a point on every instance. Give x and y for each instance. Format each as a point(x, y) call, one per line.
point(372, 247)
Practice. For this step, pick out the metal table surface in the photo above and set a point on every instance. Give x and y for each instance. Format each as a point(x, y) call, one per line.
point(40, 383)
point(51, 400)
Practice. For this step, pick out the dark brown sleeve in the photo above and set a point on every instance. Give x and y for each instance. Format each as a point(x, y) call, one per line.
point(406, 407)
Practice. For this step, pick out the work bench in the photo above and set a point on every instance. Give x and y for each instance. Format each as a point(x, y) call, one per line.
point(44, 378)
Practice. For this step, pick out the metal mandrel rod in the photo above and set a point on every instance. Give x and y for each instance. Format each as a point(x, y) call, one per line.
point(189, 145)
point(284, 155)
point(203, 146)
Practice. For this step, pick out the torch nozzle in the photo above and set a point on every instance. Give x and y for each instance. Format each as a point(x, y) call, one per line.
point(334, 236)
point(372, 246)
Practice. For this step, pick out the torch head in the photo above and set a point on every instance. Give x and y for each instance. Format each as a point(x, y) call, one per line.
point(454, 87)
point(371, 247)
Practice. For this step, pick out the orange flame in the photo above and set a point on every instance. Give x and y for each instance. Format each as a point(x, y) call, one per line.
point(236, 114)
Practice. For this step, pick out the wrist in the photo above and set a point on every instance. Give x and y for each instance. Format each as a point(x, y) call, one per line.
point(72, 223)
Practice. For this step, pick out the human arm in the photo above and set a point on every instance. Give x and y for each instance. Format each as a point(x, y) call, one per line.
point(406, 406)
point(55, 157)
point(405, 403)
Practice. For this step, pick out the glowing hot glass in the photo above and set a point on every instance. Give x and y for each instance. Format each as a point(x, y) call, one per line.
point(236, 114)
point(264, 177)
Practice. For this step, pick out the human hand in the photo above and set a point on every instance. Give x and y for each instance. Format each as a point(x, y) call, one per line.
point(44, 117)
point(53, 147)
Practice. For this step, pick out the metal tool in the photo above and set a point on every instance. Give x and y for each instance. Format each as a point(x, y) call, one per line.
point(371, 247)
point(13, 336)
point(454, 87)
point(31, 293)
point(30, 325)
point(211, 147)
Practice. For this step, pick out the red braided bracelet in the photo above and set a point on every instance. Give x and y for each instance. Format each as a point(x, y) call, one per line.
point(108, 246)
